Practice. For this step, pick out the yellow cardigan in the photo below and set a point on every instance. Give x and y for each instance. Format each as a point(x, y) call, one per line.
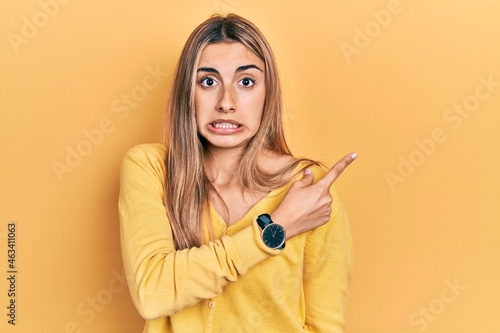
point(234, 283)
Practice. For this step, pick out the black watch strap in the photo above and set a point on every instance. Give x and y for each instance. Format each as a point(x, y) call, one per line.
point(264, 220)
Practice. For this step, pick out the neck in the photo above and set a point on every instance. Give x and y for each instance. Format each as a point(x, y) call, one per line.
point(223, 165)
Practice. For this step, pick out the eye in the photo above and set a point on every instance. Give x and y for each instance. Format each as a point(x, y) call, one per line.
point(247, 82)
point(208, 82)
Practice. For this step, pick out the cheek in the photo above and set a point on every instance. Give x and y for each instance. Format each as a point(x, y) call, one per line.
point(255, 100)
point(199, 108)
point(197, 119)
point(196, 101)
point(259, 105)
point(261, 97)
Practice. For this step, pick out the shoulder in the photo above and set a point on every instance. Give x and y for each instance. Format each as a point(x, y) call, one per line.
point(272, 161)
point(142, 158)
point(150, 151)
point(275, 162)
point(319, 170)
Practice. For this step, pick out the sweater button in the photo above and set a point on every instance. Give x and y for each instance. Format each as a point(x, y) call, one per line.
point(211, 304)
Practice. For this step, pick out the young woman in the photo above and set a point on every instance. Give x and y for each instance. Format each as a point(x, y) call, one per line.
point(222, 229)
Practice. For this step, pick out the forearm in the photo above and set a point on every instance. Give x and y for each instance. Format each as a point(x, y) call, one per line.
point(163, 281)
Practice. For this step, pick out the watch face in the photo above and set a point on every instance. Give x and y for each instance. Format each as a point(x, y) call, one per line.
point(273, 236)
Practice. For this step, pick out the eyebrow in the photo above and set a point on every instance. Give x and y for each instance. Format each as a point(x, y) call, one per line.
point(239, 69)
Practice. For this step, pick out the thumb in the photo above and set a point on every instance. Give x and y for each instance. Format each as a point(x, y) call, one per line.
point(308, 177)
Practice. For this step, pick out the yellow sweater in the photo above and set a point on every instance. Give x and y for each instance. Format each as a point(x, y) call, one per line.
point(234, 283)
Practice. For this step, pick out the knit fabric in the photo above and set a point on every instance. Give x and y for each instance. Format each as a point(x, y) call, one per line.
point(233, 283)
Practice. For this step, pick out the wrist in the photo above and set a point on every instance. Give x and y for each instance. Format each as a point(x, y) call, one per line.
point(280, 218)
point(273, 234)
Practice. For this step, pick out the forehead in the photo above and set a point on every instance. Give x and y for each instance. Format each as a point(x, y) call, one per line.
point(228, 54)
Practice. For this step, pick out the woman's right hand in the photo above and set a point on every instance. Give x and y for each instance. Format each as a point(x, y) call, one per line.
point(307, 205)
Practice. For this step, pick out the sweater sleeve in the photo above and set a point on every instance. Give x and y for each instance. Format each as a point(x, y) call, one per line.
point(327, 271)
point(163, 281)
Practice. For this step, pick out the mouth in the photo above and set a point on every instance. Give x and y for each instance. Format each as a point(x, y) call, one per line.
point(225, 127)
point(225, 124)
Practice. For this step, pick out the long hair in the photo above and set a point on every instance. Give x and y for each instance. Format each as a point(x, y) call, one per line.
point(187, 188)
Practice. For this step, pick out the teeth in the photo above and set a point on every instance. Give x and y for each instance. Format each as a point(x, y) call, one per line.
point(225, 125)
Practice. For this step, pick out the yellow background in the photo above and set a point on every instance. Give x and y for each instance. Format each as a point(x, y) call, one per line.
point(423, 206)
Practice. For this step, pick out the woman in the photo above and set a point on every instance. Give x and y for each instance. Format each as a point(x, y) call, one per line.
point(223, 230)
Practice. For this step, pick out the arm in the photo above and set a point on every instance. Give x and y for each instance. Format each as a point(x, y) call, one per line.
point(163, 281)
point(327, 271)
point(328, 251)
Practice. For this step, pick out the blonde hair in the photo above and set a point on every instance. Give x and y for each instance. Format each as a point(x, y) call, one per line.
point(187, 188)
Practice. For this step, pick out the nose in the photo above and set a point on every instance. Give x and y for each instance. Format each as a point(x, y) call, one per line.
point(226, 102)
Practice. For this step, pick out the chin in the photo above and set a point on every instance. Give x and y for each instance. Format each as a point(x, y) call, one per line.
point(223, 144)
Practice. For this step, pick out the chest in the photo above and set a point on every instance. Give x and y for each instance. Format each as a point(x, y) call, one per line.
point(233, 204)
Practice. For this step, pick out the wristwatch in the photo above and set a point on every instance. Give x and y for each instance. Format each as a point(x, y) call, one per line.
point(273, 235)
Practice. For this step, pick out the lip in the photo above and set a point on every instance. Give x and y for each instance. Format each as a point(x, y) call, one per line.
point(230, 121)
point(225, 131)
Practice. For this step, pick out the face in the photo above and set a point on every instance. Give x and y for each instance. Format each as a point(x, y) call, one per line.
point(229, 95)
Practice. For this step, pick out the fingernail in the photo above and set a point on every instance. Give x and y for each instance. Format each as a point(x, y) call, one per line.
point(307, 171)
point(354, 155)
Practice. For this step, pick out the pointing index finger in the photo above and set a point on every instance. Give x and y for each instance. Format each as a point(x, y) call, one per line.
point(337, 169)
